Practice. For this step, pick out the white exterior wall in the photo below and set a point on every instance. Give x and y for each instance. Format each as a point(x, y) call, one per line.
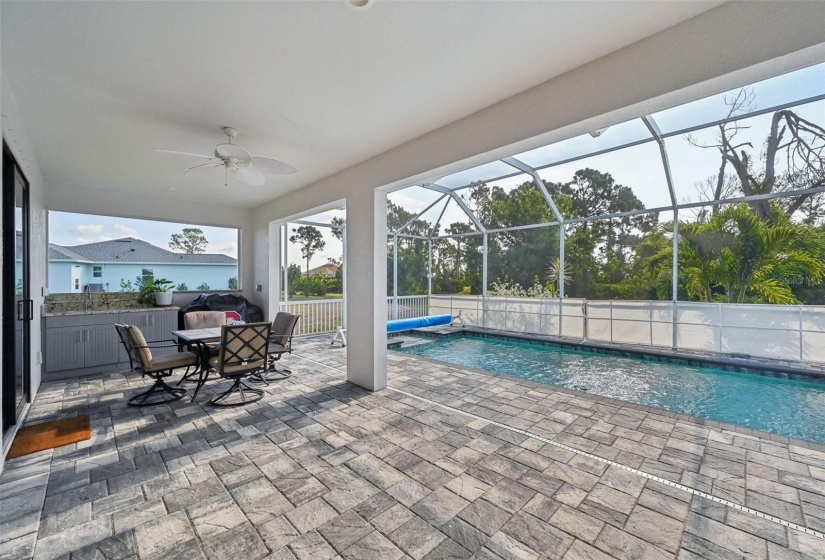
point(733, 45)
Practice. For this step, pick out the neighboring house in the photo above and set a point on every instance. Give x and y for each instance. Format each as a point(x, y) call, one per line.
point(328, 270)
point(106, 264)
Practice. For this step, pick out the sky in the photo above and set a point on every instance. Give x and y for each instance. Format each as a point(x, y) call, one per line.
point(77, 229)
point(639, 167)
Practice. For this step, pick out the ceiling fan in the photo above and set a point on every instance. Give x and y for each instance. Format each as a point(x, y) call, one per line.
point(236, 161)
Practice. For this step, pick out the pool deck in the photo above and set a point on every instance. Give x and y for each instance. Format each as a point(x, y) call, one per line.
point(447, 463)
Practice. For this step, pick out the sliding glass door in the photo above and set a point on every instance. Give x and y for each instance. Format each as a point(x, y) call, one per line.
point(17, 302)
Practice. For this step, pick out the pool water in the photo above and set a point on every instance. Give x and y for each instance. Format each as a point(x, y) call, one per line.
point(791, 408)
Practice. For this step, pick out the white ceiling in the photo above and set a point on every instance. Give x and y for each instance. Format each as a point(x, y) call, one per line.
point(315, 84)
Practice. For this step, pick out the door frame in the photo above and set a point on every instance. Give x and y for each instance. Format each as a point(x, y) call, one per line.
point(8, 312)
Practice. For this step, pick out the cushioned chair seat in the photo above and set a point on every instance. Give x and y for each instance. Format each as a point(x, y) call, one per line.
point(241, 369)
point(172, 361)
point(275, 348)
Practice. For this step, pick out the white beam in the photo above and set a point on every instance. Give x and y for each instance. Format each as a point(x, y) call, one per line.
point(462, 205)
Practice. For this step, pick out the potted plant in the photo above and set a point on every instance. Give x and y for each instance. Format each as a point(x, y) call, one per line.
point(156, 292)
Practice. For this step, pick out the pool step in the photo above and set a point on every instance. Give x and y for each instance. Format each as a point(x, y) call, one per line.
point(407, 342)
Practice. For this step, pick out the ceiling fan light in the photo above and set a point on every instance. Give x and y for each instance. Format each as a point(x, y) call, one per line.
point(359, 4)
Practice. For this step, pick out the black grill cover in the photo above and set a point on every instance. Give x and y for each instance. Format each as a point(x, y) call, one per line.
point(249, 312)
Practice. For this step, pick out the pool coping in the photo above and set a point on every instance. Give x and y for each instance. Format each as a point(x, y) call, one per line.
point(758, 366)
point(707, 422)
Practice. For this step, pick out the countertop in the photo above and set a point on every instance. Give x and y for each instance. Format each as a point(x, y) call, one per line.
point(107, 311)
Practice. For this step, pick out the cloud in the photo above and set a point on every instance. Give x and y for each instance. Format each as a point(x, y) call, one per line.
point(84, 240)
point(126, 230)
point(230, 249)
point(85, 230)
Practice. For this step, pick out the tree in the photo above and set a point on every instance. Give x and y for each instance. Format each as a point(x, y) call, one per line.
point(311, 241)
point(204, 287)
point(735, 256)
point(793, 159)
point(233, 283)
point(126, 285)
point(338, 232)
point(412, 252)
point(182, 287)
point(191, 241)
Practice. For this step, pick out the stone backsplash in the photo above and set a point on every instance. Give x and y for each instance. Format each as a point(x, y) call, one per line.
point(60, 303)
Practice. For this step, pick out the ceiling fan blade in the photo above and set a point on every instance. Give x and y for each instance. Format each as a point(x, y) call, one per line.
point(248, 176)
point(273, 166)
point(176, 152)
point(232, 151)
point(203, 167)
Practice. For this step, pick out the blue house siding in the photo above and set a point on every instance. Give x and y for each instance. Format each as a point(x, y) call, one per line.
point(216, 276)
point(124, 260)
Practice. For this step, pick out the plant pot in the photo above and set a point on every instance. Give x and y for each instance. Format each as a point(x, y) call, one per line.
point(163, 299)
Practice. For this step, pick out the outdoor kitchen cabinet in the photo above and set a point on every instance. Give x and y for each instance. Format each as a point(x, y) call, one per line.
point(80, 341)
point(155, 325)
point(86, 344)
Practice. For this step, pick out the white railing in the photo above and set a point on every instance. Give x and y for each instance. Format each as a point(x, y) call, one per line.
point(528, 315)
point(408, 307)
point(320, 316)
point(787, 332)
point(317, 315)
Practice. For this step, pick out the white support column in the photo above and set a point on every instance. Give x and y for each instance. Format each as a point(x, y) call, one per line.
point(675, 280)
point(562, 268)
point(484, 268)
point(675, 271)
point(274, 299)
point(366, 301)
point(286, 262)
point(429, 267)
point(395, 277)
point(657, 135)
point(344, 276)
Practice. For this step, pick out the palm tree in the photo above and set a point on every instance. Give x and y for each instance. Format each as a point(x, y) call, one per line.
point(736, 251)
point(555, 272)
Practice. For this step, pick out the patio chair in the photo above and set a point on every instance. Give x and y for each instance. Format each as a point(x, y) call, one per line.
point(280, 343)
point(243, 353)
point(141, 360)
point(204, 320)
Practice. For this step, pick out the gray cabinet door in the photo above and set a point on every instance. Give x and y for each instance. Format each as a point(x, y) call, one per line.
point(102, 345)
point(65, 348)
point(162, 323)
point(155, 325)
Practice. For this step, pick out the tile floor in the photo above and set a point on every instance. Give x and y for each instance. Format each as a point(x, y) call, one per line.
point(447, 463)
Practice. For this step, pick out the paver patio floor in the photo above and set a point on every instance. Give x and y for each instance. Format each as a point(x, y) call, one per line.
point(447, 463)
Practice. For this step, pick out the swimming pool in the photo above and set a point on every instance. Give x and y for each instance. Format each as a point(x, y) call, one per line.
point(787, 407)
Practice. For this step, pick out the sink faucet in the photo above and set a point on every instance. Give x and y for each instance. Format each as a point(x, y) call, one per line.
point(89, 303)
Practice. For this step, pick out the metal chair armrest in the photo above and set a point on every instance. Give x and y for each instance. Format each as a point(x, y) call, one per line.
point(157, 344)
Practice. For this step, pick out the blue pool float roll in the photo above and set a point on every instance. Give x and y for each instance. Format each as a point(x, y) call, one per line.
point(417, 323)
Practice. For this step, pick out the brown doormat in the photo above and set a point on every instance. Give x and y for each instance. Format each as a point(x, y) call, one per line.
point(47, 435)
